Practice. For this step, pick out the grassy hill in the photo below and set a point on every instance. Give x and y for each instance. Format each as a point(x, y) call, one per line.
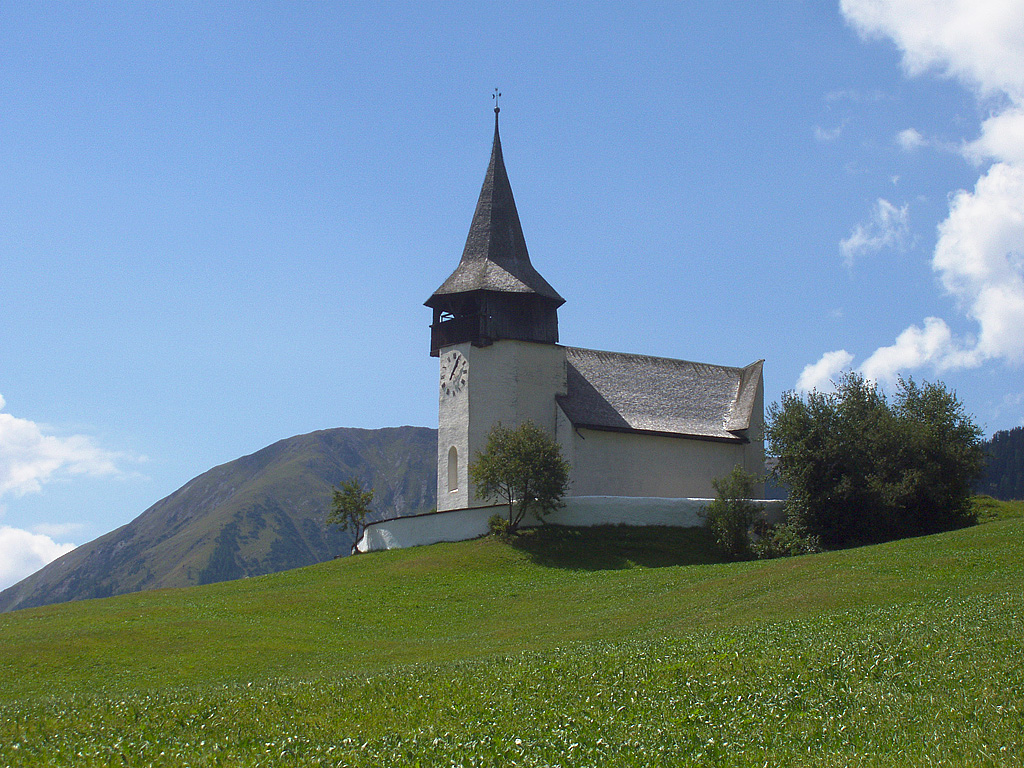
point(600, 647)
point(258, 514)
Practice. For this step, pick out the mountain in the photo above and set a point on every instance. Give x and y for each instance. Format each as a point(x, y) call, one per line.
point(1003, 476)
point(258, 514)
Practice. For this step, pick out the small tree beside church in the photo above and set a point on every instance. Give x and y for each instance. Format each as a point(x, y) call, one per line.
point(731, 516)
point(523, 467)
point(350, 507)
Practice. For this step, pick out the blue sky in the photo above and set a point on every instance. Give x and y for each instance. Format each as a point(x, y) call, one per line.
point(218, 222)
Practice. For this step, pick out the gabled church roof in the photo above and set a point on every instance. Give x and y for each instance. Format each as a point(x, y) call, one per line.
point(658, 395)
point(495, 257)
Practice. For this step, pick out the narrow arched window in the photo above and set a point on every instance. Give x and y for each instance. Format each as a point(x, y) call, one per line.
point(453, 469)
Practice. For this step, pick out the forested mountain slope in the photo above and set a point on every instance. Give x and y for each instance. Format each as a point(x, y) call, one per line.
point(1004, 470)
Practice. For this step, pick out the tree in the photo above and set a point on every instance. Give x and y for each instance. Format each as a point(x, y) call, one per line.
point(731, 515)
point(945, 455)
point(1004, 465)
point(524, 467)
point(349, 508)
point(861, 470)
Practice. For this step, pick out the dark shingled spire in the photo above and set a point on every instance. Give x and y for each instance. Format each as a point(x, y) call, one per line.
point(495, 257)
point(494, 293)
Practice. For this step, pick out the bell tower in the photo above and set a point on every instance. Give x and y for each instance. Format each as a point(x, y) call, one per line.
point(495, 330)
point(494, 293)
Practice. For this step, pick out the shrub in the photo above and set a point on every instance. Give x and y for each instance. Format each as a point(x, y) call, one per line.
point(499, 527)
point(784, 539)
point(731, 515)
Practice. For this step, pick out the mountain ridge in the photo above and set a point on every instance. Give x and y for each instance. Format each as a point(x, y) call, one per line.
point(260, 513)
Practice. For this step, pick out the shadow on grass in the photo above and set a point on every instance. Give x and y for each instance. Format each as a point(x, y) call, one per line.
point(614, 547)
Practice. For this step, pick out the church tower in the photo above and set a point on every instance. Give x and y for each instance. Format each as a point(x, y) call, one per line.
point(495, 330)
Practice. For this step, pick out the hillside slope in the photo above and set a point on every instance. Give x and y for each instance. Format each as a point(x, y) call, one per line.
point(259, 514)
point(467, 600)
point(572, 647)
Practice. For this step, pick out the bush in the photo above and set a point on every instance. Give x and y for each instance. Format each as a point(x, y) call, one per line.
point(731, 515)
point(498, 527)
point(785, 539)
point(861, 470)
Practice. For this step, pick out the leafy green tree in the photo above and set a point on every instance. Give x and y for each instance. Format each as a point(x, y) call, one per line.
point(861, 470)
point(944, 456)
point(731, 515)
point(523, 467)
point(350, 507)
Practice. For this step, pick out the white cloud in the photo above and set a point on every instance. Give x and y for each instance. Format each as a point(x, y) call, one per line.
point(888, 227)
point(856, 97)
point(29, 458)
point(979, 42)
point(58, 529)
point(910, 139)
point(1002, 138)
point(979, 254)
point(933, 344)
point(23, 553)
point(1011, 402)
point(826, 135)
point(980, 258)
point(821, 374)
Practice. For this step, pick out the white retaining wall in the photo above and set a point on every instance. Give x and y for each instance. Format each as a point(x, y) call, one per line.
point(464, 524)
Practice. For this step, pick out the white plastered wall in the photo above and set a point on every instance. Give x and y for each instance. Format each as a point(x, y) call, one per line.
point(464, 524)
point(453, 430)
point(629, 464)
point(509, 381)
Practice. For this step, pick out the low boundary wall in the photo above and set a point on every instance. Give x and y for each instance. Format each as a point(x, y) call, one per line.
point(465, 524)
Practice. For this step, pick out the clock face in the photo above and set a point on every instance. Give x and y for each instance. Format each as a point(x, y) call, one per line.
point(454, 373)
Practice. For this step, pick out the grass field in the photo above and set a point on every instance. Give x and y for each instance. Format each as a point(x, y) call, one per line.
point(598, 648)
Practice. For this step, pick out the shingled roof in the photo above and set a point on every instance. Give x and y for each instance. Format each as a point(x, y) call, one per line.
point(658, 395)
point(495, 257)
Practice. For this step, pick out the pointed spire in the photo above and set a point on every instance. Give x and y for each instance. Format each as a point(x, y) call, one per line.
point(495, 257)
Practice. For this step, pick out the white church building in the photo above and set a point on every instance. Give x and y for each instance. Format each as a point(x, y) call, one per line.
point(644, 436)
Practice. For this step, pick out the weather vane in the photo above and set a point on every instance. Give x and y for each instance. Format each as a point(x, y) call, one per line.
point(496, 95)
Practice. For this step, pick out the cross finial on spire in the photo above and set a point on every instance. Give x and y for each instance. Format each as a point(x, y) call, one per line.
point(496, 95)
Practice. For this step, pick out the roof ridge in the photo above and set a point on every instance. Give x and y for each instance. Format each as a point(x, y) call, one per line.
point(739, 368)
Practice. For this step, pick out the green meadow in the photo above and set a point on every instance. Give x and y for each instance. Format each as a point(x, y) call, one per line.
point(601, 647)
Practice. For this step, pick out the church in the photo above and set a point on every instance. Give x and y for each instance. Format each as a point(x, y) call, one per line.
point(644, 436)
